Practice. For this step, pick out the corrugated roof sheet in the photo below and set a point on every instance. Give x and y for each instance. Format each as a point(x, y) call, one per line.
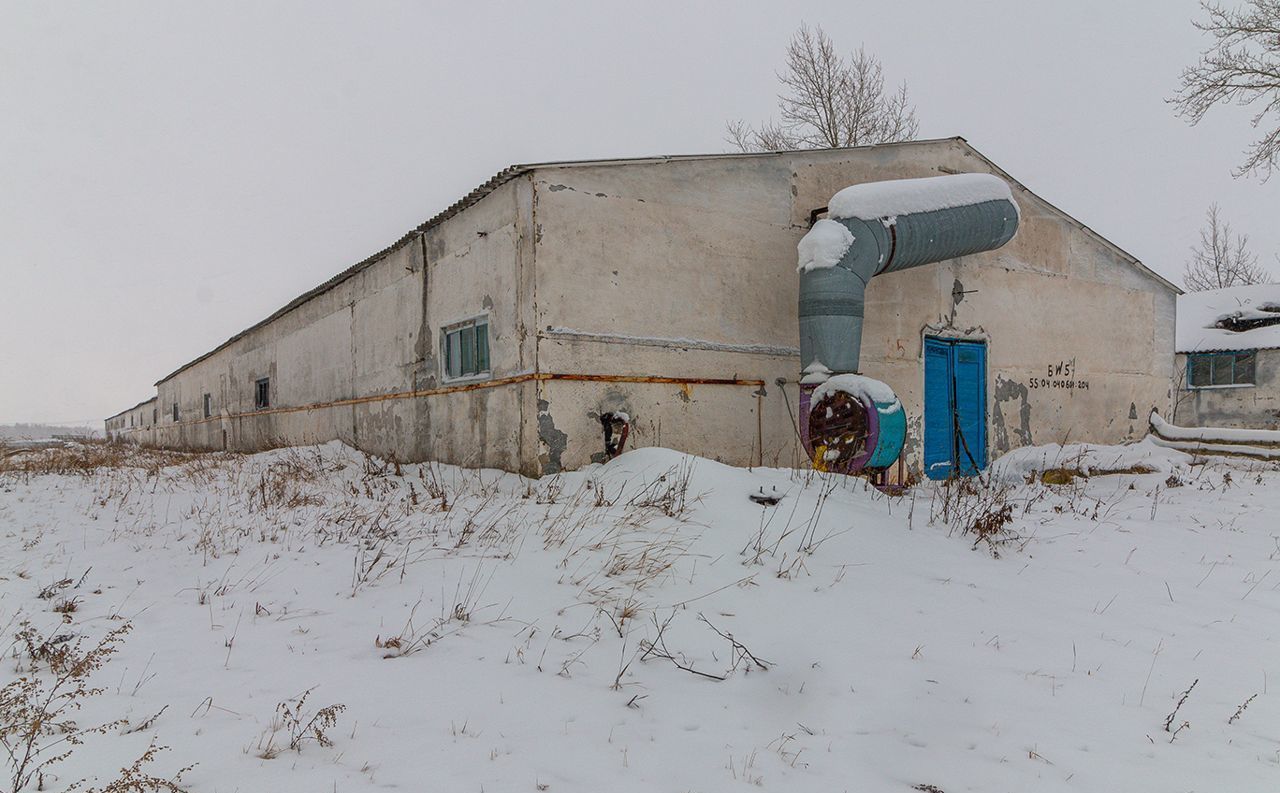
point(129, 410)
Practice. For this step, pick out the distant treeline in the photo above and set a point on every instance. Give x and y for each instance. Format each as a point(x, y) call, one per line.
point(27, 432)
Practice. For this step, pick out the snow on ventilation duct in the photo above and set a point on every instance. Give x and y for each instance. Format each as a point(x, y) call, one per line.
point(875, 228)
point(824, 246)
point(907, 196)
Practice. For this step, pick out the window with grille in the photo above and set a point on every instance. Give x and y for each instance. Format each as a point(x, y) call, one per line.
point(1220, 369)
point(208, 405)
point(262, 393)
point(465, 348)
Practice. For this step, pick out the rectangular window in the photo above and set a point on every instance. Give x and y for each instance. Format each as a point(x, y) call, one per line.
point(175, 411)
point(208, 405)
point(1244, 365)
point(1221, 369)
point(262, 393)
point(465, 348)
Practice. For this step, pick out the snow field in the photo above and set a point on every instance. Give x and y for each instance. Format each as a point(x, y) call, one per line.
point(488, 632)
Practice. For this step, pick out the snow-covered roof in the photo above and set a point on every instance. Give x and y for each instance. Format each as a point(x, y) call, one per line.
point(1201, 316)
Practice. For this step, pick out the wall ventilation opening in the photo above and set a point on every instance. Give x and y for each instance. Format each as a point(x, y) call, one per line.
point(617, 426)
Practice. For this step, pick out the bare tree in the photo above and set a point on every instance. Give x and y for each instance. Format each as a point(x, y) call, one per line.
point(828, 101)
point(1221, 259)
point(1241, 67)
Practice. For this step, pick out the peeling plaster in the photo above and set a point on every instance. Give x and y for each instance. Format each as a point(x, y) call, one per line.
point(912, 446)
point(551, 441)
point(555, 188)
point(1010, 391)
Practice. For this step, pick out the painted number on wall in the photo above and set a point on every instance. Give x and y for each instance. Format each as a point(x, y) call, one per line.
point(1061, 374)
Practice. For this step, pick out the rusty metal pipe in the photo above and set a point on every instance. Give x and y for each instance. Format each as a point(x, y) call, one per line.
point(482, 385)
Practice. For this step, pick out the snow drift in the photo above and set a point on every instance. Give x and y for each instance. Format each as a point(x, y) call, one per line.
point(645, 625)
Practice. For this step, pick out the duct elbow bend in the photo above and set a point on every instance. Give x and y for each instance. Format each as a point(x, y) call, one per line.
point(836, 267)
point(833, 293)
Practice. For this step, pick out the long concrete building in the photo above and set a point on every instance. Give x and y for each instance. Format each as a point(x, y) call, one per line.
point(559, 305)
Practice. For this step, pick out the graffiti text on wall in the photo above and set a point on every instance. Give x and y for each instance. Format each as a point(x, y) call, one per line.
point(1061, 374)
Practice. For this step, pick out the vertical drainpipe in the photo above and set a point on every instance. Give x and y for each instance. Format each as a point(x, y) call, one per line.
point(426, 341)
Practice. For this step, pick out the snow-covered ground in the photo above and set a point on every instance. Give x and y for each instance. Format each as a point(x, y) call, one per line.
point(487, 632)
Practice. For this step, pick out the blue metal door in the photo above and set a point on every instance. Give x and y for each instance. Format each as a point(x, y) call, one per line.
point(955, 408)
point(938, 409)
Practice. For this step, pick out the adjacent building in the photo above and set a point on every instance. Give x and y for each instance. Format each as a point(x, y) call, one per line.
point(134, 424)
point(1228, 367)
point(562, 309)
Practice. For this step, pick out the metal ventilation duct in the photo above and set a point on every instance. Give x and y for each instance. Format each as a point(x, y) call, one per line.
point(894, 225)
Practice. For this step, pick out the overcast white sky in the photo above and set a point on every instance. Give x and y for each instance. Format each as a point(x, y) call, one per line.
point(172, 172)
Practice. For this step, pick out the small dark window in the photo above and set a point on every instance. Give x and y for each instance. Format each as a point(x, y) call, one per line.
point(1222, 372)
point(1200, 369)
point(175, 411)
point(466, 348)
point(1217, 369)
point(262, 393)
point(1244, 366)
point(155, 415)
point(208, 405)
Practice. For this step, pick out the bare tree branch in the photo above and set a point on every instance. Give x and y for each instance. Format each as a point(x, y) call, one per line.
point(1241, 67)
point(1220, 259)
point(828, 101)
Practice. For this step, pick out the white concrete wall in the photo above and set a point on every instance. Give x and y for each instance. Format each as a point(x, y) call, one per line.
point(705, 250)
point(353, 340)
point(479, 265)
point(677, 269)
point(135, 425)
point(701, 251)
point(373, 338)
point(1054, 296)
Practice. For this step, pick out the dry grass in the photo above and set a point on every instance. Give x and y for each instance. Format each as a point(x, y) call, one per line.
point(614, 541)
point(38, 729)
point(979, 508)
point(86, 459)
point(294, 725)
